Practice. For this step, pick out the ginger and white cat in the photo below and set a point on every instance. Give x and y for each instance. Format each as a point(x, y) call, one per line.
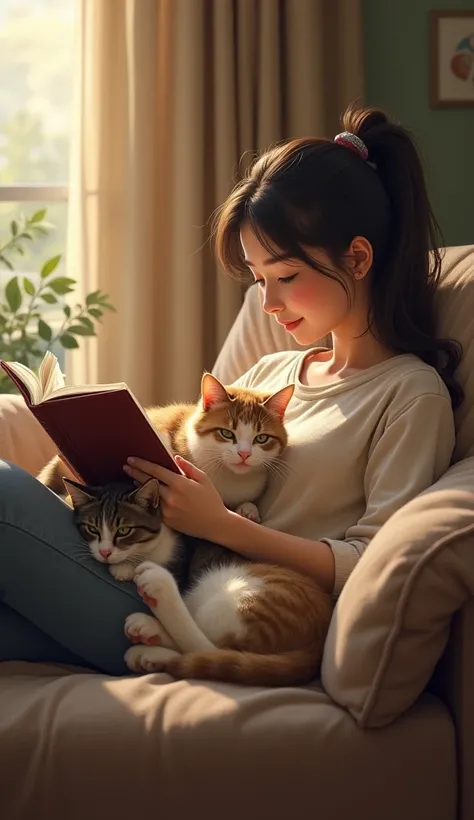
point(233, 434)
point(247, 623)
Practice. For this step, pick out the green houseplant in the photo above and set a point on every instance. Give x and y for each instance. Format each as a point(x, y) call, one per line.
point(25, 333)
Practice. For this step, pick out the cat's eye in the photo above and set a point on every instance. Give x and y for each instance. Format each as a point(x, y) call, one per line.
point(262, 438)
point(89, 529)
point(227, 434)
point(124, 531)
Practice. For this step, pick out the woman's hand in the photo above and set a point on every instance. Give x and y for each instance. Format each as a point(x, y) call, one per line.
point(189, 503)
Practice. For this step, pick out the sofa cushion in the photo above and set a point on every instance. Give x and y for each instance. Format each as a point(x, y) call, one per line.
point(88, 746)
point(392, 620)
point(22, 439)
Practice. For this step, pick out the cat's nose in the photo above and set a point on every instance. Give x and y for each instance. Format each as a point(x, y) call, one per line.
point(244, 454)
point(105, 552)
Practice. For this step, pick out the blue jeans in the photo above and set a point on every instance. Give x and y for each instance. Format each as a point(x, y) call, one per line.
point(57, 603)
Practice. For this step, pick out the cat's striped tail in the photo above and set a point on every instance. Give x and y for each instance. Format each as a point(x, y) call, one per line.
point(233, 666)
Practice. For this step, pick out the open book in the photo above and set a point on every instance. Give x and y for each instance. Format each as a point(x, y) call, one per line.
point(95, 427)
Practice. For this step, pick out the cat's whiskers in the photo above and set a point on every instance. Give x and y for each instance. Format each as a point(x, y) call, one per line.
point(214, 465)
point(277, 472)
point(80, 554)
point(136, 559)
point(280, 469)
point(281, 462)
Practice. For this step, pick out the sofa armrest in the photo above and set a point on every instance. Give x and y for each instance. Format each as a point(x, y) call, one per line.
point(453, 682)
point(392, 622)
point(22, 439)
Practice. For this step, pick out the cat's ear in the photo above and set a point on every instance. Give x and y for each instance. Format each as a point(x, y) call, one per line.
point(212, 391)
point(280, 400)
point(148, 495)
point(79, 493)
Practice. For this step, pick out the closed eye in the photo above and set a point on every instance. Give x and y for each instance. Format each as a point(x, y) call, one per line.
point(285, 280)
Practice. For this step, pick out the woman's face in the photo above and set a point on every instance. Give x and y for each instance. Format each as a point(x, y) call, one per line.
point(308, 304)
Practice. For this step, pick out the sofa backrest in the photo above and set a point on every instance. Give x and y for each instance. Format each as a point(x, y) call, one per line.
point(455, 311)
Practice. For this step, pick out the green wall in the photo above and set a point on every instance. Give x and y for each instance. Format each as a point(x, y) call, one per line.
point(397, 72)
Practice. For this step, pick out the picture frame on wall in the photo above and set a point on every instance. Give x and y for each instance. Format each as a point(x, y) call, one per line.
point(452, 59)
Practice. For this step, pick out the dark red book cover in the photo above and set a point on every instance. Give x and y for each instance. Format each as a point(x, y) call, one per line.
point(96, 432)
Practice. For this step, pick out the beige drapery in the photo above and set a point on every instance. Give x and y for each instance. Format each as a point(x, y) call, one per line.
point(172, 98)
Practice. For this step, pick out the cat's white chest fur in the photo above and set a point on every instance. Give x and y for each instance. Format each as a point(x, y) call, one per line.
point(234, 491)
point(165, 546)
point(214, 602)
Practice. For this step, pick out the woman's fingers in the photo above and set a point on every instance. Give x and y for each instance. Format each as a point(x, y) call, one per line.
point(137, 475)
point(152, 470)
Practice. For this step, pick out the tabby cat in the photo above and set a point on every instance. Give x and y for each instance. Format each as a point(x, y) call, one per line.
point(123, 526)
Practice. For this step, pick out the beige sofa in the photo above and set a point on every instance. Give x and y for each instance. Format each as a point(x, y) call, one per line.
point(381, 738)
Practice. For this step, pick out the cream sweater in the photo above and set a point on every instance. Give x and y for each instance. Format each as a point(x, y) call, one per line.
point(359, 449)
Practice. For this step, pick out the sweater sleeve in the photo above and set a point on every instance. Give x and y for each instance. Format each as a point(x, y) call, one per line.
point(406, 457)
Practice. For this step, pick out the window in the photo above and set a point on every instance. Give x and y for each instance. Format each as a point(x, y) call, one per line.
point(36, 86)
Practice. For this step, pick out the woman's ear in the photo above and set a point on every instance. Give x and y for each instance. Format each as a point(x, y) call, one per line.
point(359, 257)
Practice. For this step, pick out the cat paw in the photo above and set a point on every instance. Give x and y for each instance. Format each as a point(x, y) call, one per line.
point(148, 658)
point(141, 628)
point(122, 572)
point(151, 580)
point(249, 510)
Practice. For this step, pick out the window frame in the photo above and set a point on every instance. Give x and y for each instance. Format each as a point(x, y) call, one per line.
point(20, 192)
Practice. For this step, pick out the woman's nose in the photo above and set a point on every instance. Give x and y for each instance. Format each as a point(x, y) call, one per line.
point(271, 302)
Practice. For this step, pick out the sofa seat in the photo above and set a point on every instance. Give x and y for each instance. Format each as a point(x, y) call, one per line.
point(81, 745)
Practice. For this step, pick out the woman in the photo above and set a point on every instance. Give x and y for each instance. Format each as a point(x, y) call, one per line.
point(337, 238)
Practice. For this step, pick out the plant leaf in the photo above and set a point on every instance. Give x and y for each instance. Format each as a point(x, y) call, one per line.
point(44, 331)
point(80, 330)
point(13, 294)
point(14, 227)
point(68, 341)
point(86, 322)
point(6, 262)
point(96, 313)
point(62, 285)
point(50, 265)
point(49, 298)
point(38, 216)
point(67, 311)
point(28, 286)
point(93, 298)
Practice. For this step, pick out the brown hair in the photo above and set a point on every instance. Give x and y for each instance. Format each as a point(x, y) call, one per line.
point(317, 193)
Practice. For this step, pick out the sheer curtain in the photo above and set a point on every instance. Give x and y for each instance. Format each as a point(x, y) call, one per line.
point(173, 98)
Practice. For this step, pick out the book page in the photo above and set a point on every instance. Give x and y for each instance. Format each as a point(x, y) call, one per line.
point(84, 390)
point(28, 379)
point(50, 376)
